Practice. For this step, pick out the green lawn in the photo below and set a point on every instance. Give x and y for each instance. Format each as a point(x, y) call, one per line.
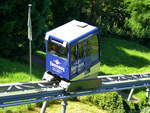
point(73, 107)
point(121, 57)
point(17, 72)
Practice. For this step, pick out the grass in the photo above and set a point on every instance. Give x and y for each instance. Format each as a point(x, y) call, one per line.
point(40, 53)
point(17, 109)
point(73, 107)
point(17, 72)
point(122, 57)
point(76, 107)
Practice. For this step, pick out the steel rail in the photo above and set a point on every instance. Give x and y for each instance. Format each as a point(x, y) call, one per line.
point(75, 94)
point(44, 91)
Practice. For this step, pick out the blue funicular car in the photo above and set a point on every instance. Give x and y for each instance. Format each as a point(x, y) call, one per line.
point(72, 50)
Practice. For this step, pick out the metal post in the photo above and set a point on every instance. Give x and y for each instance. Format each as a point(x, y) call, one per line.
point(30, 38)
point(30, 57)
point(130, 95)
point(147, 95)
point(64, 105)
point(43, 109)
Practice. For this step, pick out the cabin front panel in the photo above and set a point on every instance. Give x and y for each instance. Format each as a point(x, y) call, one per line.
point(57, 65)
point(56, 59)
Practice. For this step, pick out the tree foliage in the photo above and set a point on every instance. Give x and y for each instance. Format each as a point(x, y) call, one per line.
point(139, 19)
point(13, 28)
point(123, 17)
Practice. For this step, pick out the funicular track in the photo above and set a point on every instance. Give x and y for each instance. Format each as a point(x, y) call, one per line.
point(31, 92)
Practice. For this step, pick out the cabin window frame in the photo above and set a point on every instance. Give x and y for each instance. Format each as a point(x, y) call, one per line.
point(84, 53)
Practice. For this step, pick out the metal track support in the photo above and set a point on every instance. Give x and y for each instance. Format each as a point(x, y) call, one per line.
point(64, 105)
point(43, 109)
point(147, 95)
point(130, 94)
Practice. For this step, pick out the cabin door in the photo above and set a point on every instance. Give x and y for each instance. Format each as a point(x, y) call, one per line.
point(84, 55)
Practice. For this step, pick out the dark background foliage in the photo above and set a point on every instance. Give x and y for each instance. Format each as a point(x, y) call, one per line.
point(129, 19)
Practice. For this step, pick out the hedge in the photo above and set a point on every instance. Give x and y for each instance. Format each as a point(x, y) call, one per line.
point(110, 101)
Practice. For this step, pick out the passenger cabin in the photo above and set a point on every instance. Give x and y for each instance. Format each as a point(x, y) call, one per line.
point(71, 49)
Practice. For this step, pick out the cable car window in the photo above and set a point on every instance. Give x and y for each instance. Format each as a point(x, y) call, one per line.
point(73, 53)
point(77, 58)
point(81, 56)
point(81, 50)
point(57, 50)
point(74, 61)
point(92, 48)
point(84, 54)
point(88, 48)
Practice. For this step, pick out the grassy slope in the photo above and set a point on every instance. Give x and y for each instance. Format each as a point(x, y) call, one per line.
point(73, 107)
point(16, 72)
point(121, 57)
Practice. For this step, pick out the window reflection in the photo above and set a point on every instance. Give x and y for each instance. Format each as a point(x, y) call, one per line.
point(57, 50)
point(84, 54)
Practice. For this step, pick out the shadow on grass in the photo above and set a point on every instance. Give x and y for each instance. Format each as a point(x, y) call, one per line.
point(112, 54)
point(127, 44)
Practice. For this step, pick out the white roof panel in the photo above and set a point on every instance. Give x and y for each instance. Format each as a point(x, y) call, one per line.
point(71, 31)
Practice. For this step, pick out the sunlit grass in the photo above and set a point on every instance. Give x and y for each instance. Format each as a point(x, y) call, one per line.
point(77, 107)
point(17, 72)
point(17, 77)
point(41, 53)
point(17, 109)
point(122, 57)
point(72, 107)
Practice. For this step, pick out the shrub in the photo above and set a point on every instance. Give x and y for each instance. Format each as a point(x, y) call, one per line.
point(139, 17)
point(110, 101)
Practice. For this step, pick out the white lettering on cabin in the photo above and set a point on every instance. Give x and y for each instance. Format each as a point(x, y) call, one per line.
point(57, 66)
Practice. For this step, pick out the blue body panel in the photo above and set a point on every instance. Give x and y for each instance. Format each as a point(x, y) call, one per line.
point(57, 65)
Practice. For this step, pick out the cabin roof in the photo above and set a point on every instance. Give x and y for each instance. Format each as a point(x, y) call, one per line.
point(71, 31)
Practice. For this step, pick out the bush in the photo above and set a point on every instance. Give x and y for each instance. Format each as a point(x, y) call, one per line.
point(110, 101)
point(139, 17)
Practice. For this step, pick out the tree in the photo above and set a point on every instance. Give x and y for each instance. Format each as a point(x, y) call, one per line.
point(13, 30)
point(67, 10)
point(139, 17)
